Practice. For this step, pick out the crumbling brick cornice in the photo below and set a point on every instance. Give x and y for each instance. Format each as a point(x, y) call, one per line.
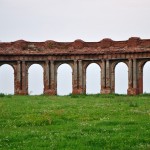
point(78, 47)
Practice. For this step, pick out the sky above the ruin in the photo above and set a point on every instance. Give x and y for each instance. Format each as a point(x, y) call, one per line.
point(68, 20)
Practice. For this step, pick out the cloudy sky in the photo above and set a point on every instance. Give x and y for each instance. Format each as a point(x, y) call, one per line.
point(67, 20)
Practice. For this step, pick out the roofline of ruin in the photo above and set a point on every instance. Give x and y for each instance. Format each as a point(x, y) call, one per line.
point(78, 47)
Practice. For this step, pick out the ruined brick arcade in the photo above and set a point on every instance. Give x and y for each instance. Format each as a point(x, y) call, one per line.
point(107, 53)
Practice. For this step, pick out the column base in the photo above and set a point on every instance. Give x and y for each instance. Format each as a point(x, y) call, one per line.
point(20, 93)
point(77, 91)
point(132, 91)
point(106, 91)
point(50, 92)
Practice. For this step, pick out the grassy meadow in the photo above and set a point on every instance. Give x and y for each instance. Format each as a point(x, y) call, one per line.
point(92, 122)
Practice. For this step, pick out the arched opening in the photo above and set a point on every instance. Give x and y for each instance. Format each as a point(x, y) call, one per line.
point(6, 79)
point(146, 77)
point(121, 78)
point(35, 80)
point(93, 82)
point(64, 79)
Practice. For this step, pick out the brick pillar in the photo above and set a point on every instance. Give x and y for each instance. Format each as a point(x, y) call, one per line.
point(17, 77)
point(75, 77)
point(80, 78)
point(106, 78)
point(103, 77)
point(53, 76)
point(84, 80)
point(46, 77)
point(24, 79)
point(140, 81)
point(132, 77)
point(135, 74)
point(112, 80)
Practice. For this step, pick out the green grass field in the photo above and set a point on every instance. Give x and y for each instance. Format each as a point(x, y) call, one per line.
point(94, 122)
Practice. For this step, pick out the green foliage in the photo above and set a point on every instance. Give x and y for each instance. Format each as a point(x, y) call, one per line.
point(83, 122)
point(2, 94)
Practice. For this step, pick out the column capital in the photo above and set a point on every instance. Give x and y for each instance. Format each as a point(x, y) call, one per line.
point(130, 62)
point(134, 60)
point(46, 62)
point(23, 61)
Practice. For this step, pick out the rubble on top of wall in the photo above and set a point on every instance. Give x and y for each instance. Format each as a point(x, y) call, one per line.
point(133, 44)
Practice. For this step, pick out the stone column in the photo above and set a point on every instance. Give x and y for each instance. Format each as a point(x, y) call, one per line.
point(18, 78)
point(53, 76)
point(108, 78)
point(140, 80)
point(130, 74)
point(107, 74)
point(80, 73)
point(75, 77)
point(46, 77)
point(134, 74)
point(135, 77)
point(130, 78)
point(112, 80)
point(84, 80)
point(133, 88)
point(103, 77)
point(24, 79)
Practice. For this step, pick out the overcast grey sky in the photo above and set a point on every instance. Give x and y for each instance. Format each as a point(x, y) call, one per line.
point(67, 20)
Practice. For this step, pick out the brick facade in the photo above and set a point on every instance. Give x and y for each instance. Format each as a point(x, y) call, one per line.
point(107, 53)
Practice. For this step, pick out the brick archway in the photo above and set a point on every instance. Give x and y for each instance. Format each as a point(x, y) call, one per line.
point(64, 79)
point(93, 82)
point(50, 54)
point(121, 77)
point(7, 79)
point(35, 73)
